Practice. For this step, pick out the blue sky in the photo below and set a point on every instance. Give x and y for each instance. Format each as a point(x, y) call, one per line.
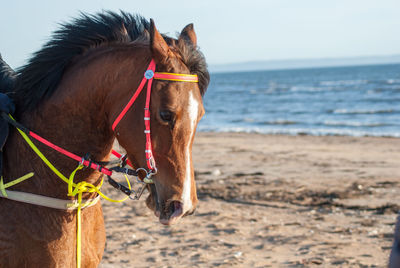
point(228, 31)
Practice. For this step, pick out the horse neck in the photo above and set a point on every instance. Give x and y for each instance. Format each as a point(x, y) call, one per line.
point(78, 115)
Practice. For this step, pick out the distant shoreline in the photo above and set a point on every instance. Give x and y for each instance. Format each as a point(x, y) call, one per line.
point(273, 65)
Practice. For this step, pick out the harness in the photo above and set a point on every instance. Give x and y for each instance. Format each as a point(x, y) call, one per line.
point(77, 189)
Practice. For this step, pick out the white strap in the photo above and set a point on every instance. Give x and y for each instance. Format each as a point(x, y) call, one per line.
point(49, 202)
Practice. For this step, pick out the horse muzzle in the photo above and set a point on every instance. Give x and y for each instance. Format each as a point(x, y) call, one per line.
point(169, 212)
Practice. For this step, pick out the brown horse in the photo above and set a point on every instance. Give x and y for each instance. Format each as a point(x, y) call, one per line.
point(71, 92)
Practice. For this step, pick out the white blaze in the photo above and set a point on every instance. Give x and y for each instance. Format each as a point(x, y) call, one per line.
point(193, 111)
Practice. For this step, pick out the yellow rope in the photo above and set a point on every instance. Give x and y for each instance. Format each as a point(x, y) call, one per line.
point(83, 187)
point(78, 232)
point(73, 189)
point(3, 186)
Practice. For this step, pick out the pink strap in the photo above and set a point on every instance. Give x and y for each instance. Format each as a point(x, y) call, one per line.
point(149, 151)
point(176, 77)
point(148, 77)
point(70, 155)
point(118, 155)
point(152, 67)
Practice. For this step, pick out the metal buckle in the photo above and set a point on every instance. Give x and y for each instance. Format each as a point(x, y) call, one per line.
point(122, 158)
point(137, 194)
point(147, 178)
point(83, 159)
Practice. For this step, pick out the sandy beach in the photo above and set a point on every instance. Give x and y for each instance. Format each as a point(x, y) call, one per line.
point(271, 201)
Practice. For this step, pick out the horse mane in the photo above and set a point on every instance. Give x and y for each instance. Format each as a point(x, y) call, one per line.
point(39, 78)
point(7, 77)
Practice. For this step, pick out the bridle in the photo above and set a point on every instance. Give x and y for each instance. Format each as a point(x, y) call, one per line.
point(149, 75)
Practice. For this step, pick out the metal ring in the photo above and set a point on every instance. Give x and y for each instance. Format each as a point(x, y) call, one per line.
point(82, 160)
point(133, 198)
point(134, 195)
point(149, 74)
point(139, 169)
point(154, 171)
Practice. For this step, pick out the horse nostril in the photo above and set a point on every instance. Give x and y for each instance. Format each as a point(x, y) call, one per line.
point(176, 208)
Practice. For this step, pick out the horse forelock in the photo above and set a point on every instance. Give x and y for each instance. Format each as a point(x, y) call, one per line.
point(39, 78)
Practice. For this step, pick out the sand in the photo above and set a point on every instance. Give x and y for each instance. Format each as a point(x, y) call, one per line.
point(271, 201)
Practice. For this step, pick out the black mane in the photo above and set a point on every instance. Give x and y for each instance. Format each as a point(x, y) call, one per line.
point(39, 78)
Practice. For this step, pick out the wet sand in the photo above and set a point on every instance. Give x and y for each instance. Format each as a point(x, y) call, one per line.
point(271, 201)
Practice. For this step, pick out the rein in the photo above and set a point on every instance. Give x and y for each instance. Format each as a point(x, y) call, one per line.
point(77, 189)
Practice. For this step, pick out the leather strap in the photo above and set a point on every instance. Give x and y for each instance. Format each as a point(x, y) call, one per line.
point(49, 202)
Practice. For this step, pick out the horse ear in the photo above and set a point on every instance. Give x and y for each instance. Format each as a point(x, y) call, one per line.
point(189, 35)
point(158, 46)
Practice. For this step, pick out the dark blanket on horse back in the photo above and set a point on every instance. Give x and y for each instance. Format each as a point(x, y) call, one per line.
point(6, 107)
point(7, 78)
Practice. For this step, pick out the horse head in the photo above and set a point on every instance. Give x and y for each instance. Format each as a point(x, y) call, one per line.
point(175, 110)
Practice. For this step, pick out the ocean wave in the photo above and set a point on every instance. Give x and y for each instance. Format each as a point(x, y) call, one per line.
point(308, 89)
point(393, 81)
point(343, 83)
point(272, 122)
point(361, 111)
point(353, 124)
point(279, 122)
point(244, 120)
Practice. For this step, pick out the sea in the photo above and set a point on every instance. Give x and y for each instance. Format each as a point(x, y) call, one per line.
point(355, 101)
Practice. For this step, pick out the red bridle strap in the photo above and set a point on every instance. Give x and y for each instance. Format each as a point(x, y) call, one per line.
point(149, 75)
point(84, 162)
point(152, 67)
point(176, 77)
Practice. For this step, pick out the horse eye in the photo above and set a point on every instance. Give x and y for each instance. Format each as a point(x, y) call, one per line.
point(166, 116)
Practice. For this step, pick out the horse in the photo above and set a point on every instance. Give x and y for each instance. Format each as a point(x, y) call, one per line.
point(72, 92)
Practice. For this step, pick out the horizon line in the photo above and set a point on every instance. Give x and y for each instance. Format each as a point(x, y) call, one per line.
point(301, 59)
point(302, 63)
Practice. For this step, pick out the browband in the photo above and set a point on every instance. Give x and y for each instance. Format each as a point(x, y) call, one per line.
point(176, 77)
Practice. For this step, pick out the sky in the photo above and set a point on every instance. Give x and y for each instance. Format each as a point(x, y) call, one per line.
point(228, 31)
